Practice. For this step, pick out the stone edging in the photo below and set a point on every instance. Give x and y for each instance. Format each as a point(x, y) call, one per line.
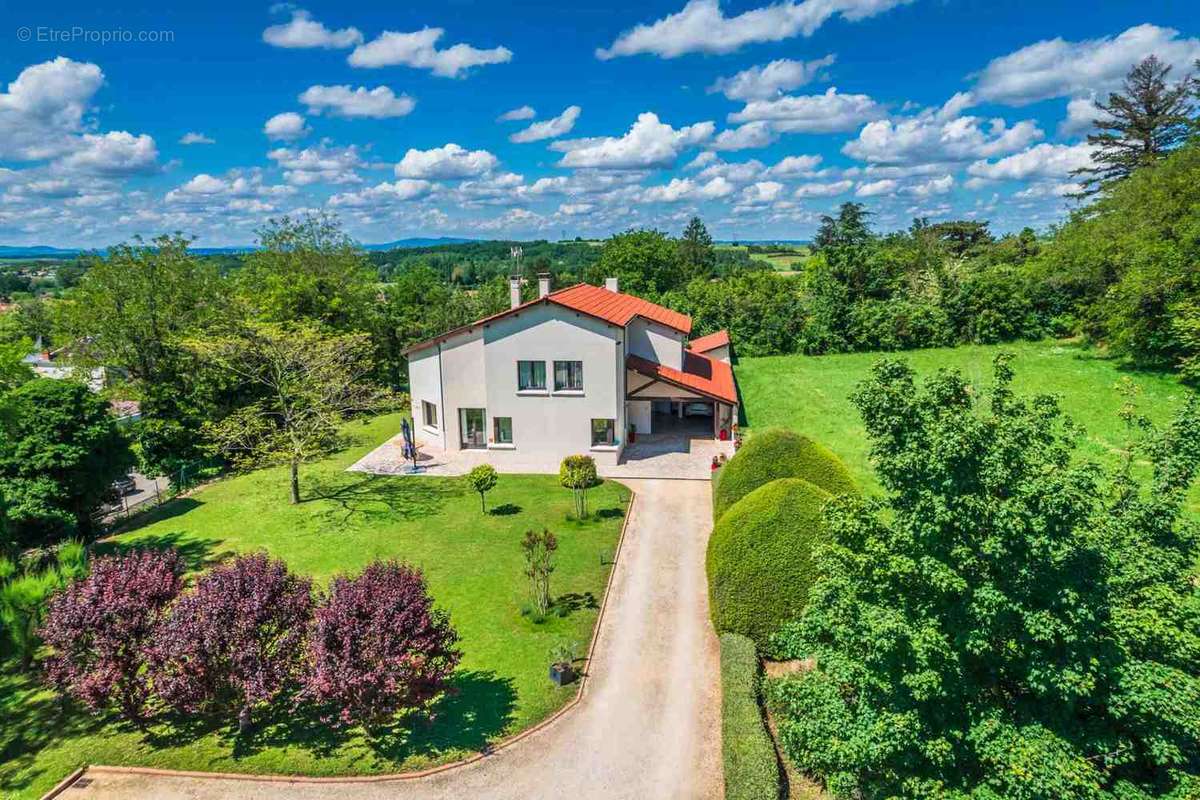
point(70, 780)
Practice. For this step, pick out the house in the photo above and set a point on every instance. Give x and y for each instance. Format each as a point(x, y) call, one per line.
point(579, 370)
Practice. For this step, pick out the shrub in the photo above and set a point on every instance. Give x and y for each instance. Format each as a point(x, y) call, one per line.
point(235, 640)
point(22, 606)
point(482, 479)
point(761, 559)
point(539, 549)
point(378, 645)
point(773, 454)
point(578, 473)
point(751, 767)
point(100, 625)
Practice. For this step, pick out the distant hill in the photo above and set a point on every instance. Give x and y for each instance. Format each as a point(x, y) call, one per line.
point(43, 251)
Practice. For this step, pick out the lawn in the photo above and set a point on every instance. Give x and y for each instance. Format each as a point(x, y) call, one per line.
point(473, 564)
point(810, 394)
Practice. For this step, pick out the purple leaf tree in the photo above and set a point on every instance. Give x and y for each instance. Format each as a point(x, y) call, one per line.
point(99, 627)
point(378, 645)
point(235, 640)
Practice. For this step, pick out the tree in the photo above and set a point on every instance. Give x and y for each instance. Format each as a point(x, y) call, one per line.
point(1003, 622)
point(539, 549)
point(645, 262)
point(696, 250)
point(13, 369)
point(848, 228)
point(307, 382)
point(578, 473)
point(235, 641)
point(59, 460)
point(308, 269)
point(482, 480)
point(1139, 126)
point(135, 304)
point(378, 645)
point(100, 626)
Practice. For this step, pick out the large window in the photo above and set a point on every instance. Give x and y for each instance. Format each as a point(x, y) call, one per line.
point(502, 430)
point(429, 413)
point(531, 375)
point(568, 376)
point(602, 432)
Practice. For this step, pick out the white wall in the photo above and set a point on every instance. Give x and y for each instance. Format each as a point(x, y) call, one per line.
point(655, 342)
point(425, 384)
point(719, 353)
point(640, 416)
point(462, 380)
point(554, 425)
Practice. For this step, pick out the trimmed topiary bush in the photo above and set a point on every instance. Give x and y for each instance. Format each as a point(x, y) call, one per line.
point(773, 454)
point(760, 558)
point(751, 767)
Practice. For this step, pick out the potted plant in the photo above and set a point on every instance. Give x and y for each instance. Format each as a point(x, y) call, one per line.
point(562, 667)
point(632, 433)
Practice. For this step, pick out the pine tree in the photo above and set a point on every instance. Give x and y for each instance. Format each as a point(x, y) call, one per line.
point(696, 250)
point(1139, 126)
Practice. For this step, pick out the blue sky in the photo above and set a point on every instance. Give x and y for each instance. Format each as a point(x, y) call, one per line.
point(759, 117)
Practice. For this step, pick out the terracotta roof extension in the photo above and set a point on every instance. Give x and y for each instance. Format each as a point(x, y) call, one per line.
point(710, 342)
point(700, 374)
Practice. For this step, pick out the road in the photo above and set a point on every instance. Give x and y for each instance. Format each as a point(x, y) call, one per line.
point(648, 725)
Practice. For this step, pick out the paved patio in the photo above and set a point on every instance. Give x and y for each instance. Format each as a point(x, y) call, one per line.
point(676, 456)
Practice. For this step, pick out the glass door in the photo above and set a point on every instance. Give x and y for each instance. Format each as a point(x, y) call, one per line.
point(471, 428)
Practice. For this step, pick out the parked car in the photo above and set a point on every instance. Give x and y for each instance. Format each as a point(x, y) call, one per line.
point(698, 410)
point(124, 485)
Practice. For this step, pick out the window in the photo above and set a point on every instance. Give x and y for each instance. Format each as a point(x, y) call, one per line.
point(502, 430)
point(429, 413)
point(602, 432)
point(531, 375)
point(568, 376)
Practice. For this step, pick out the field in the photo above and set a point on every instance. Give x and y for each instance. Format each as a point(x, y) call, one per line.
point(810, 394)
point(473, 565)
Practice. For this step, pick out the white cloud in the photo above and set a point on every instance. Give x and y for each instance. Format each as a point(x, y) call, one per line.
point(745, 137)
point(939, 136)
point(513, 115)
point(418, 50)
point(795, 166)
point(740, 172)
point(818, 113)
point(701, 26)
point(286, 127)
point(1082, 114)
point(43, 108)
point(450, 161)
point(648, 143)
point(575, 209)
point(702, 160)
point(1040, 161)
point(378, 103)
point(770, 80)
point(687, 189)
point(1058, 68)
point(206, 190)
point(303, 31)
point(932, 187)
point(113, 154)
point(550, 128)
point(321, 164)
point(383, 193)
point(823, 189)
point(762, 192)
point(196, 138)
point(876, 188)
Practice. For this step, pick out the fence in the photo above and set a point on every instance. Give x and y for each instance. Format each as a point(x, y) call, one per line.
point(153, 493)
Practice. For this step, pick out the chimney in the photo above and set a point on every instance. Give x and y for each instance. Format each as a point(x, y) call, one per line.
point(611, 284)
point(514, 291)
point(543, 284)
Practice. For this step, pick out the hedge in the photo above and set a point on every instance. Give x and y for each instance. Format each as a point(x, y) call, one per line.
point(760, 558)
point(778, 453)
point(751, 767)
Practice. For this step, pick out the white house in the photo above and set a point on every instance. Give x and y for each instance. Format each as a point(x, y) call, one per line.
point(578, 370)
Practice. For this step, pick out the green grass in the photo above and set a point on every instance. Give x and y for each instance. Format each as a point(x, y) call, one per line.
point(473, 564)
point(810, 394)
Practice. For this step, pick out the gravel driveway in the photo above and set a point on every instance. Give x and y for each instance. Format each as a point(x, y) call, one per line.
point(648, 725)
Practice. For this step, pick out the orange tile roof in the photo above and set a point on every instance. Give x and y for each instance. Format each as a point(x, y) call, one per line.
point(710, 342)
point(616, 307)
point(700, 374)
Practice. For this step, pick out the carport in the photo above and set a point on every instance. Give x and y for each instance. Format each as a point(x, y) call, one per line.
point(697, 401)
